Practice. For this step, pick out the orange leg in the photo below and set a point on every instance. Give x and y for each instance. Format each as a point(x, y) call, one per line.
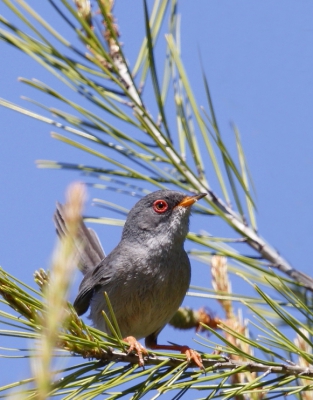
point(137, 347)
point(191, 355)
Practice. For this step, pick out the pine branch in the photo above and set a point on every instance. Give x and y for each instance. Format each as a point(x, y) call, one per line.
point(88, 342)
point(234, 219)
point(224, 363)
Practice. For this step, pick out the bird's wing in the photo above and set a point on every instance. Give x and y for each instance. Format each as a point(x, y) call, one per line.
point(90, 252)
point(93, 280)
point(82, 301)
point(114, 268)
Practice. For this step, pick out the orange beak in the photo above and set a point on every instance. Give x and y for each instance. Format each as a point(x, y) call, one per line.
point(190, 200)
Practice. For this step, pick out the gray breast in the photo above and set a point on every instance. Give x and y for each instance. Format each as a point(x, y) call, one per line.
point(146, 292)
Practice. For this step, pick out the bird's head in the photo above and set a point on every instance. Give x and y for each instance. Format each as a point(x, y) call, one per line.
point(161, 214)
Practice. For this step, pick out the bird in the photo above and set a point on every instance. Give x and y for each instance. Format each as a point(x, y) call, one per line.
point(146, 276)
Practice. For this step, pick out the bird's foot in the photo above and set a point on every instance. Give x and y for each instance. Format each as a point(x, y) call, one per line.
point(192, 356)
point(137, 347)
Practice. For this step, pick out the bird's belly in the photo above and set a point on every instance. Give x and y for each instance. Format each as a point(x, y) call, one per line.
point(150, 311)
point(146, 309)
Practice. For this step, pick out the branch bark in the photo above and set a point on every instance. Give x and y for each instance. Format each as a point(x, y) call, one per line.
point(224, 363)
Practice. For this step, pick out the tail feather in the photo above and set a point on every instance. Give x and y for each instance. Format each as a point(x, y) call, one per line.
point(90, 251)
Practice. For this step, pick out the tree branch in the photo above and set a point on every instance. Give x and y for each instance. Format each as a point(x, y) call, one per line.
point(224, 363)
point(253, 239)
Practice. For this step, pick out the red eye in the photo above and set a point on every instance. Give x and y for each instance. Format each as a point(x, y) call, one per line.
point(160, 206)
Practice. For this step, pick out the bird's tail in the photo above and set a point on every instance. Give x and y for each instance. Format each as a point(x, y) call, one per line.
point(89, 247)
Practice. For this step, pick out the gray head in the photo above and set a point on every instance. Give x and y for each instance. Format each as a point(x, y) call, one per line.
point(164, 213)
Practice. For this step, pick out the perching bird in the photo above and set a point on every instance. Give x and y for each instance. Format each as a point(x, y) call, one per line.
point(146, 276)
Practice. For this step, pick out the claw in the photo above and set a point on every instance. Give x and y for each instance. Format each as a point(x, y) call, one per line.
point(192, 356)
point(137, 347)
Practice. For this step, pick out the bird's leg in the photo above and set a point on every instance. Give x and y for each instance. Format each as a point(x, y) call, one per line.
point(134, 345)
point(191, 355)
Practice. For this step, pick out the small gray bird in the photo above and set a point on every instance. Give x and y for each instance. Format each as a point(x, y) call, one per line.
point(146, 276)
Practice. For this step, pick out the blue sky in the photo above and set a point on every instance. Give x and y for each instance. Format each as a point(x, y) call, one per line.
point(258, 57)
